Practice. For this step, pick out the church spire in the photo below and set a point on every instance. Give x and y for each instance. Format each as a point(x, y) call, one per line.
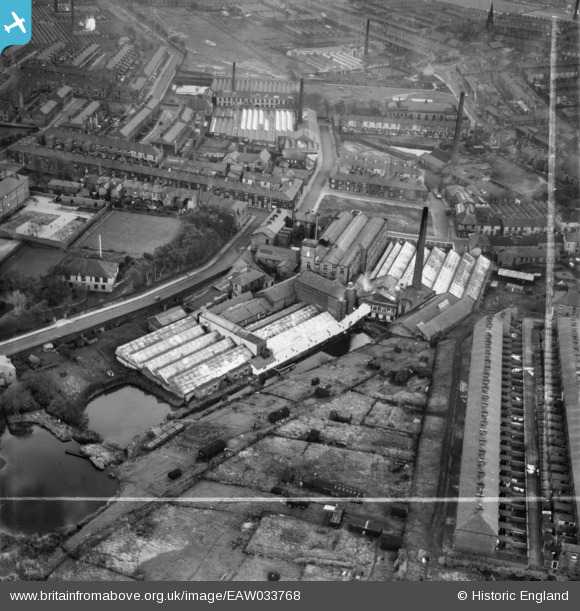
point(489, 22)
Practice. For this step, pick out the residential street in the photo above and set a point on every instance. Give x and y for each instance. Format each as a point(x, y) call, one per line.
point(320, 180)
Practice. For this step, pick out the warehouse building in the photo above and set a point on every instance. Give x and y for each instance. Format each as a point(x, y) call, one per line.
point(477, 522)
point(456, 283)
point(263, 126)
point(262, 93)
point(349, 246)
point(569, 355)
point(211, 349)
point(508, 251)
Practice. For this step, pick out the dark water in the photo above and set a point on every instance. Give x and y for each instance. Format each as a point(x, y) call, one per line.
point(121, 414)
point(343, 345)
point(37, 466)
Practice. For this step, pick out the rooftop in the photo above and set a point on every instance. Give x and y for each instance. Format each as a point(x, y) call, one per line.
point(92, 268)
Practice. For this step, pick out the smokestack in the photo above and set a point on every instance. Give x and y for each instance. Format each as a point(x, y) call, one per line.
point(301, 100)
point(72, 14)
point(458, 123)
point(100, 247)
point(367, 37)
point(419, 256)
point(575, 16)
point(234, 76)
point(56, 6)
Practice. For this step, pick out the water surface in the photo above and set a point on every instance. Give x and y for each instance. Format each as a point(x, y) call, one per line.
point(37, 467)
point(121, 414)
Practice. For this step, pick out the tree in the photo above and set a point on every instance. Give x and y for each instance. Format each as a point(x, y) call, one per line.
point(42, 387)
point(18, 300)
point(17, 399)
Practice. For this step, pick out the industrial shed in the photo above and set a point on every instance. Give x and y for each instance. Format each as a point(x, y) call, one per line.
point(477, 522)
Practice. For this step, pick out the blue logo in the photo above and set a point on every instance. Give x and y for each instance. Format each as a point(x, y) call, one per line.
point(15, 22)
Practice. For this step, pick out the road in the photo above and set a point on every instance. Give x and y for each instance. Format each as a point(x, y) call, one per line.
point(445, 74)
point(320, 179)
point(222, 262)
point(534, 506)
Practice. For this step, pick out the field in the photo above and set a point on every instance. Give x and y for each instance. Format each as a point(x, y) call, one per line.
point(195, 28)
point(132, 234)
point(401, 219)
point(32, 261)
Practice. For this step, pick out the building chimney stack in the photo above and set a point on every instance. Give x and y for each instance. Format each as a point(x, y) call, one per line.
point(234, 76)
point(72, 14)
point(300, 101)
point(367, 37)
point(458, 125)
point(575, 16)
point(420, 254)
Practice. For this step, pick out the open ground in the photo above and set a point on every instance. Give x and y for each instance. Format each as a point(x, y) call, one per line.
point(132, 234)
point(232, 523)
point(32, 261)
point(229, 41)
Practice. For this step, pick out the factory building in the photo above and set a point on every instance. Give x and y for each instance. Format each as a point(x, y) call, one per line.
point(264, 126)
point(568, 331)
point(433, 298)
point(261, 93)
point(510, 251)
point(207, 351)
point(349, 246)
point(482, 525)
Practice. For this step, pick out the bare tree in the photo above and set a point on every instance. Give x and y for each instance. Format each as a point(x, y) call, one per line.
point(18, 300)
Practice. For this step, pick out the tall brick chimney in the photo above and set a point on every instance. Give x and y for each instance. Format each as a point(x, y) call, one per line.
point(575, 15)
point(419, 256)
point(458, 123)
point(234, 76)
point(367, 37)
point(300, 101)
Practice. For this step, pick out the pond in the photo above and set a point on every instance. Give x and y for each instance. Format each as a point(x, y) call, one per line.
point(125, 412)
point(36, 467)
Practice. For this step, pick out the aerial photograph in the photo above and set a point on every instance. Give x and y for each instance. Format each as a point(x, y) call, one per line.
point(290, 291)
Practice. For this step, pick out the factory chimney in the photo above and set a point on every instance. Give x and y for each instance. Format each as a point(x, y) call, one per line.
point(458, 124)
point(234, 76)
point(418, 271)
point(575, 16)
point(300, 101)
point(367, 37)
point(72, 14)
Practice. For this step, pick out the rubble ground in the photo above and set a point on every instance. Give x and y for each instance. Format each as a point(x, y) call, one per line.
point(205, 529)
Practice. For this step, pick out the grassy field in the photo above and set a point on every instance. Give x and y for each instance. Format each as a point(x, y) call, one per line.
point(32, 261)
point(129, 233)
point(401, 219)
